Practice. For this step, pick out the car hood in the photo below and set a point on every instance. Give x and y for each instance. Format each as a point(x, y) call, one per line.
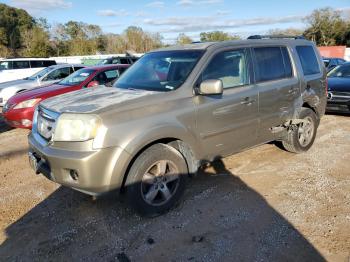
point(40, 92)
point(93, 99)
point(340, 84)
point(21, 83)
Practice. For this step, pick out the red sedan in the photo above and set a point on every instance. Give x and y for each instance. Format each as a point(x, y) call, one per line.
point(19, 109)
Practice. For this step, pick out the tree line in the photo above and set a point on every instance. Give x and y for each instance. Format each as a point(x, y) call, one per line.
point(24, 35)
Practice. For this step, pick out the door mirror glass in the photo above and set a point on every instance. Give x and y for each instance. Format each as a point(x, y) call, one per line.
point(211, 87)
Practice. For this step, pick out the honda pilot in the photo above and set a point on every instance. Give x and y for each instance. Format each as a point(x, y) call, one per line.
point(176, 109)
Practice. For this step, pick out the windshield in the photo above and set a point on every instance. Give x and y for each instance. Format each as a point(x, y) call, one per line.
point(340, 71)
point(160, 71)
point(77, 77)
point(40, 74)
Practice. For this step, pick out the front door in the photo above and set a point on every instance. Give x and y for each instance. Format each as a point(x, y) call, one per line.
point(228, 123)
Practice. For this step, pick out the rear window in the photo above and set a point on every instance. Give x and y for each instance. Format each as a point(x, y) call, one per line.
point(273, 63)
point(308, 60)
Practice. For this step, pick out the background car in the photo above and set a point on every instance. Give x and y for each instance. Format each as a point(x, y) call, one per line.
point(45, 77)
point(115, 60)
point(330, 62)
point(19, 68)
point(339, 89)
point(19, 109)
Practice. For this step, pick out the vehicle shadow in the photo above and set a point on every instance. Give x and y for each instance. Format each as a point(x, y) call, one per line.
point(220, 219)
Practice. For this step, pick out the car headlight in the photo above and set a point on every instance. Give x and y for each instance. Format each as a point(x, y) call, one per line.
point(76, 127)
point(27, 103)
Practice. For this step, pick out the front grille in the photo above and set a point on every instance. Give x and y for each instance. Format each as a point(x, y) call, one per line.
point(338, 96)
point(45, 123)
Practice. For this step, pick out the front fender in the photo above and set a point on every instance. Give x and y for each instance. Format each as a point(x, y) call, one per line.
point(146, 137)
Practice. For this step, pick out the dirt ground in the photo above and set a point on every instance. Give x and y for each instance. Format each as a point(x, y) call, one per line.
point(260, 205)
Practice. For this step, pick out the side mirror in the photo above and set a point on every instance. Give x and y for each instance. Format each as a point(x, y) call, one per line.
point(93, 83)
point(211, 87)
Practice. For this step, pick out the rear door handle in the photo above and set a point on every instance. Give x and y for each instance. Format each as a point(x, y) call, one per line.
point(247, 101)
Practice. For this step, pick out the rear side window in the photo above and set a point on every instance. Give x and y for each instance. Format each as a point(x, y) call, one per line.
point(49, 63)
point(20, 64)
point(273, 63)
point(76, 68)
point(308, 60)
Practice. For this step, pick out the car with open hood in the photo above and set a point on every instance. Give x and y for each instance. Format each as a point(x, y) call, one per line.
point(19, 109)
point(176, 109)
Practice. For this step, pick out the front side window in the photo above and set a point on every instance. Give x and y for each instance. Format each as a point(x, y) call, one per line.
point(58, 74)
point(77, 77)
point(231, 67)
point(160, 71)
point(272, 63)
point(21, 64)
point(308, 60)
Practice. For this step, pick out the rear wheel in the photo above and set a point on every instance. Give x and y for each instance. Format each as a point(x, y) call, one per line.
point(156, 180)
point(302, 136)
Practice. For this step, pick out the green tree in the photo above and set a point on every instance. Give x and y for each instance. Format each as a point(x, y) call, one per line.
point(217, 36)
point(13, 23)
point(36, 43)
point(183, 39)
point(326, 27)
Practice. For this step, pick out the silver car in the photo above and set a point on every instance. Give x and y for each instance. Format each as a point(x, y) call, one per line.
point(45, 77)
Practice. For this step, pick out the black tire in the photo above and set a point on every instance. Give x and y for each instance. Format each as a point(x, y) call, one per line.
point(147, 189)
point(293, 141)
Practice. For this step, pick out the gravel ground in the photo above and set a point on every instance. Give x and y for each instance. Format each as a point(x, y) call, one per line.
point(260, 205)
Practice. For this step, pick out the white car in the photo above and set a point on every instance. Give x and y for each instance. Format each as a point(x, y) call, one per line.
point(19, 68)
point(45, 77)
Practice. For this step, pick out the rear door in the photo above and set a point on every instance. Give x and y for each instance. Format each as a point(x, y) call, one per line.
point(228, 123)
point(314, 78)
point(278, 87)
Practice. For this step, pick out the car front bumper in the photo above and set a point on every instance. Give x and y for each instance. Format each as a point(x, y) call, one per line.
point(338, 105)
point(90, 171)
point(19, 118)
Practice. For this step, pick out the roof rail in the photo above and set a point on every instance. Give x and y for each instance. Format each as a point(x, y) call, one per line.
point(275, 37)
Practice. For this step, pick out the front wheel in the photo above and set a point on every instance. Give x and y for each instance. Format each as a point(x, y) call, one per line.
point(156, 180)
point(302, 136)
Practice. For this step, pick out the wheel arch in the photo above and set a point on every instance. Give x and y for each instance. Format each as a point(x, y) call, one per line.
point(177, 142)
